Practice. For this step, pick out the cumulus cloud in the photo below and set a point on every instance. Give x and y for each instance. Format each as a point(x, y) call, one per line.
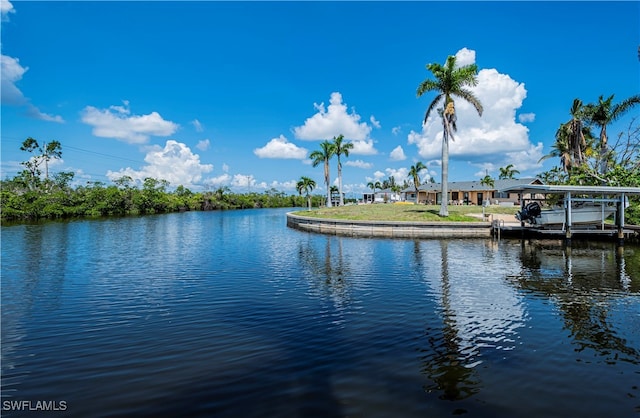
point(358, 164)
point(374, 122)
point(247, 181)
point(116, 122)
point(285, 185)
point(10, 73)
point(397, 154)
point(333, 121)
point(480, 139)
point(527, 117)
point(219, 181)
point(281, 148)
point(396, 130)
point(399, 174)
point(525, 159)
point(174, 163)
point(465, 57)
point(203, 145)
point(197, 125)
point(364, 147)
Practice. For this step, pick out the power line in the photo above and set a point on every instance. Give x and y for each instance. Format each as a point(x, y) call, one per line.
point(69, 147)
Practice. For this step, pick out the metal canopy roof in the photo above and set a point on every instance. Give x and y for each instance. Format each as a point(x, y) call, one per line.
point(593, 190)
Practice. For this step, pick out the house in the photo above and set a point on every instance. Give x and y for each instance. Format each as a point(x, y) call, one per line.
point(382, 196)
point(469, 192)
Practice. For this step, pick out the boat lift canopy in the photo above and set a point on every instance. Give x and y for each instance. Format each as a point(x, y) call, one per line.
point(617, 195)
point(559, 189)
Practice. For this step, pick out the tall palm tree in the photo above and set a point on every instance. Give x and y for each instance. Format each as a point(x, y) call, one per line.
point(577, 133)
point(341, 148)
point(508, 172)
point(450, 81)
point(322, 156)
point(414, 174)
point(604, 113)
point(306, 185)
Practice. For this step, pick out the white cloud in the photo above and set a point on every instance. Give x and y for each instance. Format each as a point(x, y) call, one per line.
point(399, 174)
point(333, 121)
point(203, 145)
point(5, 8)
point(358, 164)
point(527, 117)
point(247, 181)
point(222, 180)
point(480, 139)
point(10, 73)
point(174, 163)
point(281, 148)
point(197, 125)
point(525, 159)
point(374, 122)
point(396, 130)
point(379, 175)
point(465, 57)
point(364, 147)
point(225, 168)
point(116, 123)
point(397, 154)
point(35, 113)
point(286, 185)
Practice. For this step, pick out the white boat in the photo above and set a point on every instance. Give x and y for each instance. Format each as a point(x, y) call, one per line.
point(586, 214)
point(580, 214)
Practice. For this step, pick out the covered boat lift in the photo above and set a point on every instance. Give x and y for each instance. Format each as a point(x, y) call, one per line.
point(593, 194)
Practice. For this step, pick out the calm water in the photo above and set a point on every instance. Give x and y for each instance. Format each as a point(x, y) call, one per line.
point(233, 314)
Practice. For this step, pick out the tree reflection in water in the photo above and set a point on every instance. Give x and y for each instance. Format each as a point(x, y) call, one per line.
point(584, 281)
point(327, 273)
point(444, 361)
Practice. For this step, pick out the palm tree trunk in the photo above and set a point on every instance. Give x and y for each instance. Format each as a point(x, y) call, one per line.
point(444, 198)
point(603, 150)
point(340, 182)
point(326, 182)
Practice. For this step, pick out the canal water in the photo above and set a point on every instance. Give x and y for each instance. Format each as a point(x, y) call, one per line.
point(232, 314)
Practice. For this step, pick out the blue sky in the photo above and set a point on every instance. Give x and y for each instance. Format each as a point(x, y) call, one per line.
point(210, 94)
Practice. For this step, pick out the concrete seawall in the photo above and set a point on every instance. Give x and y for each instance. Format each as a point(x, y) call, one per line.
point(388, 229)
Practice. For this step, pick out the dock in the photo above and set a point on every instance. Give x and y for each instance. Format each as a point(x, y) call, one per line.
point(568, 229)
point(499, 229)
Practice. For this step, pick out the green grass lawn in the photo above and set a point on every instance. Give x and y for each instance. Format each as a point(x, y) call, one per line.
point(404, 212)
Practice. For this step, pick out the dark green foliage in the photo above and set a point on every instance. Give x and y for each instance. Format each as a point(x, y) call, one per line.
point(55, 199)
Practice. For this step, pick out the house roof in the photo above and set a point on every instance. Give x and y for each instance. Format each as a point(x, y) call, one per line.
point(594, 190)
point(475, 185)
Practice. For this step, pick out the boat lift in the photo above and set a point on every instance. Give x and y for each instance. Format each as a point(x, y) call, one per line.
point(588, 194)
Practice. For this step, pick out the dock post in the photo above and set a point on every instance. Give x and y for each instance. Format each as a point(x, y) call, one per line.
point(567, 214)
point(620, 219)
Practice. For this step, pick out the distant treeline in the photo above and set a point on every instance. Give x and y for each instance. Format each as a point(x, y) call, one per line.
point(26, 198)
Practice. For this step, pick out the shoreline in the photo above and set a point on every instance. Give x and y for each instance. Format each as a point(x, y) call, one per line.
point(425, 230)
point(390, 229)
